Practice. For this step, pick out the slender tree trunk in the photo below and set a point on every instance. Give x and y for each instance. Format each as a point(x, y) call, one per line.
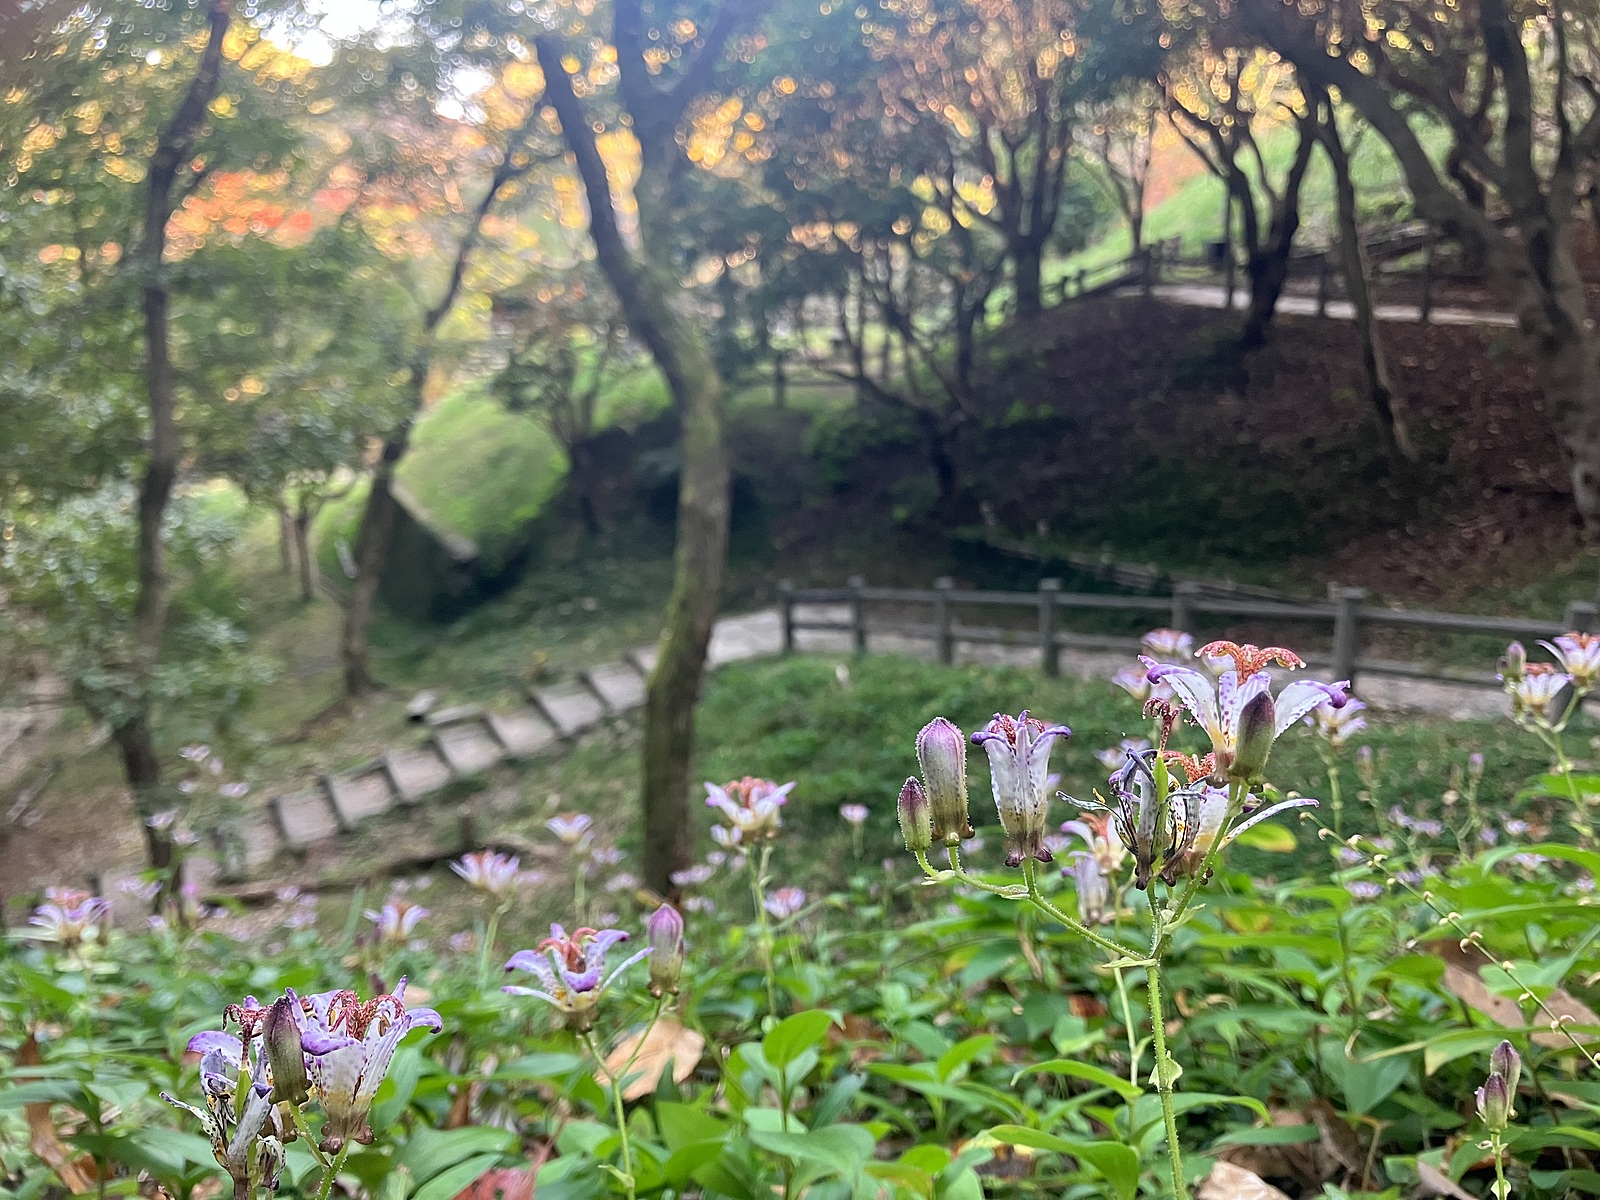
point(1387, 406)
point(142, 768)
point(1027, 265)
point(302, 545)
point(1136, 222)
point(649, 295)
point(1268, 266)
point(134, 733)
point(285, 538)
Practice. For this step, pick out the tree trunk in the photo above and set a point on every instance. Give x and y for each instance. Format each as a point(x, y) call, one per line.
point(1387, 407)
point(1136, 223)
point(648, 292)
point(1027, 265)
point(302, 546)
point(371, 553)
point(142, 768)
point(173, 145)
point(285, 538)
point(1268, 265)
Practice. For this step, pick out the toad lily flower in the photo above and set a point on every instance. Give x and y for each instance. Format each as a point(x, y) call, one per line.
point(1541, 696)
point(1019, 768)
point(1579, 656)
point(246, 1138)
point(1336, 726)
point(349, 1046)
point(69, 917)
point(571, 971)
point(395, 921)
point(495, 875)
point(1167, 645)
point(751, 806)
point(1239, 712)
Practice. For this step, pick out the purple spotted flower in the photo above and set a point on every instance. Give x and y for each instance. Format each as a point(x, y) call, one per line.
point(1579, 656)
point(1019, 768)
point(395, 921)
point(785, 902)
point(69, 917)
point(1337, 725)
point(571, 971)
point(750, 806)
point(1239, 712)
point(495, 875)
point(246, 1136)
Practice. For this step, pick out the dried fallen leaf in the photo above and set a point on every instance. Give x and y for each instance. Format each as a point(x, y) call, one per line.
point(1462, 980)
point(77, 1175)
point(1436, 1183)
point(1228, 1182)
point(667, 1042)
point(503, 1183)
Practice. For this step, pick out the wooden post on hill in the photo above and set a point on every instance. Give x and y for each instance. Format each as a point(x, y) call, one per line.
point(1049, 652)
point(786, 613)
point(858, 615)
point(1580, 616)
point(1183, 594)
point(1346, 634)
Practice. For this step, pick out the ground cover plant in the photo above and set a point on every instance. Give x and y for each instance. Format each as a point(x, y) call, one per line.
point(1400, 1005)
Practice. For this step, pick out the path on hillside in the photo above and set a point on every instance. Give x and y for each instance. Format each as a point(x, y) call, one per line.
point(465, 740)
point(1206, 295)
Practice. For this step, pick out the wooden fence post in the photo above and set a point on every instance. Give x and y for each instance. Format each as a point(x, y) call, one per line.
point(1183, 594)
point(858, 615)
point(1049, 652)
point(1580, 616)
point(1322, 285)
point(944, 638)
point(1347, 603)
point(1148, 269)
point(786, 613)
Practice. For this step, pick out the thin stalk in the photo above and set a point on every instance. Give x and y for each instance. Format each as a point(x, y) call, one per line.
point(758, 897)
point(486, 951)
point(1164, 1075)
point(618, 1110)
point(1134, 1055)
point(328, 1176)
point(1502, 1189)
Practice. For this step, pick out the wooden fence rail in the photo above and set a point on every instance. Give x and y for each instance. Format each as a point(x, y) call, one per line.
point(1347, 613)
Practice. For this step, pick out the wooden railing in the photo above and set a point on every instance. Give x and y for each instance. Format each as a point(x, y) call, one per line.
point(1347, 612)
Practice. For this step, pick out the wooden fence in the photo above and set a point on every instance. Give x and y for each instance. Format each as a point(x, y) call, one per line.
point(1347, 612)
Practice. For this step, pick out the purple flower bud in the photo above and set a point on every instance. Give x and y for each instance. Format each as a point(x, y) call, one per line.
point(1494, 1103)
point(1505, 1062)
point(1474, 767)
point(280, 1033)
point(1255, 739)
point(916, 822)
point(942, 754)
point(664, 933)
point(1513, 663)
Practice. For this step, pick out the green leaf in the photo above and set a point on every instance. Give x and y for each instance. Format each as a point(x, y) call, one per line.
point(794, 1035)
point(550, 1065)
point(963, 1053)
point(1116, 1162)
point(1098, 1076)
point(1274, 839)
point(840, 1149)
point(683, 1124)
point(45, 1091)
point(431, 1151)
point(448, 1184)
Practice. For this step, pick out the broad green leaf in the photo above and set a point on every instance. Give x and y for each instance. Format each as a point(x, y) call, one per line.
point(790, 1037)
point(1274, 839)
point(1269, 1135)
point(683, 1124)
point(1119, 1164)
point(397, 1088)
point(431, 1151)
point(840, 1149)
point(448, 1184)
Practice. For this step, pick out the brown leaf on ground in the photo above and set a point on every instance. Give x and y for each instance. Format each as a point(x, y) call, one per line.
point(1228, 1182)
point(1434, 1182)
point(1461, 979)
point(1308, 1163)
point(1338, 1139)
point(1081, 1004)
point(503, 1183)
point(667, 1042)
point(78, 1175)
point(866, 1037)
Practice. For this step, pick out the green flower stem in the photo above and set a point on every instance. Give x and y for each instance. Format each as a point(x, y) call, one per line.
point(486, 951)
point(1330, 760)
point(1552, 739)
point(1164, 1064)
point(333, 1170)
point(1039, 901)
point(758, 897)
point(1127, 1023)
point(304, 1127)
point(241, 1188)
point(617, 1109)
point(1502, 1189)
point(1165, 925)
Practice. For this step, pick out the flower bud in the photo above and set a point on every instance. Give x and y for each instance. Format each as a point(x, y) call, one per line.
point(1474, 766)
point(664, 932)
point(916, 821)
point(1494, 1103)
point(280, 1034)
point(942, 754)
point(1505, 1062)
point(1513, 663)
point(1256, 735)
